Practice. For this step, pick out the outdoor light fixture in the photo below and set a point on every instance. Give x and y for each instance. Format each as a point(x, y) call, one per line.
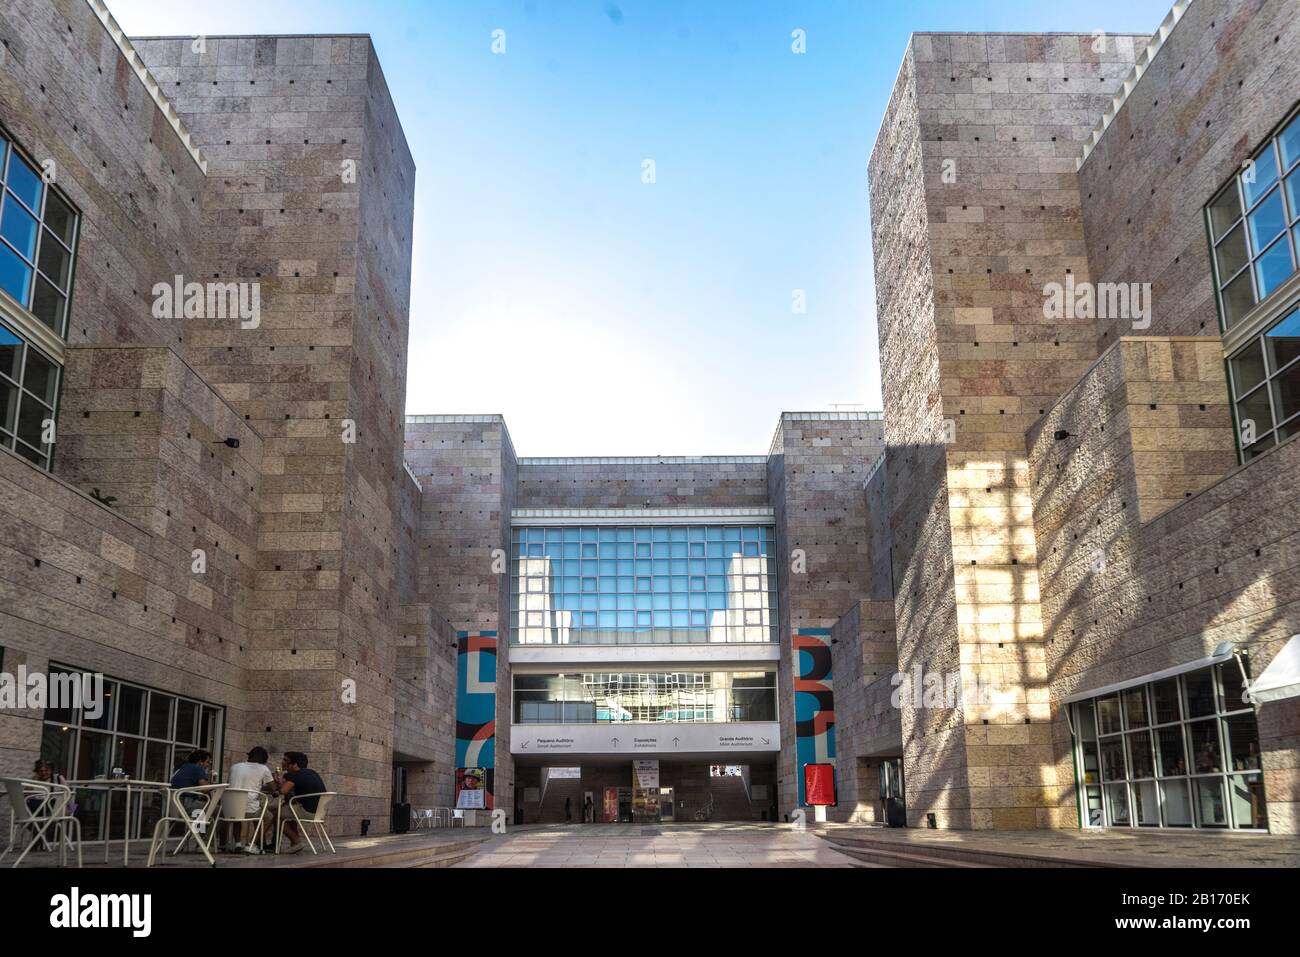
point(1060, 435)
point(228, 443)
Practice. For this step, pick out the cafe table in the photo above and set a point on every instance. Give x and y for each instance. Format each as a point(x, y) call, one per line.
point(109, 786)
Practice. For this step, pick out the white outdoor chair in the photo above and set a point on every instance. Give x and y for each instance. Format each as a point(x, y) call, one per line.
point(457, 815)
point(199, 820)
point(234, 810)
point(51, 811)
point(306, 819)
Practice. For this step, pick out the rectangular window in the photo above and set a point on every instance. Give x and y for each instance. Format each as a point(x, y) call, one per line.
point(1264, 376)
point(1180, 752)
point(645, 697)
point(1253, 223)
point(38, 240)
point(29, 388)
point(658, 589)
point(141, 733)
point(38, 237)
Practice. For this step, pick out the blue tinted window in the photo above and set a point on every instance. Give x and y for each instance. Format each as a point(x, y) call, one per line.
point(24, 181)
point(668, 593)
point(15, 275)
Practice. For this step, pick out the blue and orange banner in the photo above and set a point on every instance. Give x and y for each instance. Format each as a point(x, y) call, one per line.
point(814, 703)
point(476, 710)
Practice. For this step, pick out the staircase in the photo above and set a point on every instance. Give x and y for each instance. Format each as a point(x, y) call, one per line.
point(730, 802)
point(552, 809)
point(435, 854)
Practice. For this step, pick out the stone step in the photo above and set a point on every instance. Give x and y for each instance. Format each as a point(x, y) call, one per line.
point(941, 854)
point(893, 858)
point(427, 855)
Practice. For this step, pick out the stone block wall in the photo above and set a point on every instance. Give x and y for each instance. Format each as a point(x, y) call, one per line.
point(669, 482)
point(467, 472)
point(328, 243)
point(816, 470)
point(1224, 78)
point(974, 172)
point(1136, 578)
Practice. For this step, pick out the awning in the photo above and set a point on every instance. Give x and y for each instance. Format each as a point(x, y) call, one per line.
point(1154, 676)
point(1281, 679)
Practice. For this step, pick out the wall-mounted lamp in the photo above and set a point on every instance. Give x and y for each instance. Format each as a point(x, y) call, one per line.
point(228, 443)
point(1060, 435)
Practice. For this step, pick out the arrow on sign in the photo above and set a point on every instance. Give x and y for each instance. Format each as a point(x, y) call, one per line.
point(615, 740)
point(766, 740)
point(675, 740)
point(524, 745)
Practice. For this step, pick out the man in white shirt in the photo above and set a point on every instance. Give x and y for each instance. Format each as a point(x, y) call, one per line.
point(251, 775)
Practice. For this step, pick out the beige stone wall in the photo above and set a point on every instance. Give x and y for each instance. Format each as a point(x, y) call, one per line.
point(816, 468)
point(1149, 559)
point(975, 208)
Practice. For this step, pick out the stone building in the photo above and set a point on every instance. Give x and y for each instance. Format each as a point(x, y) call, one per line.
point(1043, 588)
point(1089, 507)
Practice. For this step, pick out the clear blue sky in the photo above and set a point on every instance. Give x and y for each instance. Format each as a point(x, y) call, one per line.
point(601, 315)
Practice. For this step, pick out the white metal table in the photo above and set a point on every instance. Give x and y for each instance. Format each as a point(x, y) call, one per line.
point(108, 786)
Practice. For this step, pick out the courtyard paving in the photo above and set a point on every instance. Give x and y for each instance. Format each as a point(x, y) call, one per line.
point(659, 845)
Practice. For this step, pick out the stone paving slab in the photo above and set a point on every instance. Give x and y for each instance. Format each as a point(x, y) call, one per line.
point(674, 845)
point(372, 851)
point(1114, 847)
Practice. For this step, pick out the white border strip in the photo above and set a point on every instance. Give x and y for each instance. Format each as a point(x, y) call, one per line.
point(643, 516)
point(1130, 82)
point(151, 85)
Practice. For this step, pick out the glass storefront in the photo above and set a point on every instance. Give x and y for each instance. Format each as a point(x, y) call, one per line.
point(643, 585)
point(1179, 752)
point(141, 734)
point(646, 697)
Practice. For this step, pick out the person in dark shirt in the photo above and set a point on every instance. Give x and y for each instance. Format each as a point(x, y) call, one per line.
point(299, 781)
point(195, 772)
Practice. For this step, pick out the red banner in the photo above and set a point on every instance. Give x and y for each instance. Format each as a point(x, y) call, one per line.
point(819, 783)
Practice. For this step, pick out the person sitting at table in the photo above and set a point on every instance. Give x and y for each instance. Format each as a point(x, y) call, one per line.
point(299, 781)
point(42, 771)
point(251, 775)
point(196, 772)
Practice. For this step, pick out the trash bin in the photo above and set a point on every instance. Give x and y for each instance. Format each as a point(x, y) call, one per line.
point(401, 818)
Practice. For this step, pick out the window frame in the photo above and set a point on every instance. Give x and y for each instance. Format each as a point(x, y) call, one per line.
point(9, 146)
point(1253, 326)
point(10, 439)
point(1107, 788)
point(1290, 232)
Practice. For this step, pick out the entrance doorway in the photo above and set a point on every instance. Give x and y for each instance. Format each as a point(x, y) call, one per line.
point(892, 793)
point(666, 804)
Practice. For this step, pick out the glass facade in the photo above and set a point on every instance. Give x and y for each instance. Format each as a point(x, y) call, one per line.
point(1254, 225)
point(38, 240)
point(1265, 381)
point(643, 584)
point(142, 733)
point(29, 389)
point(38, 237)
point(1179, 752)
point(613, 697)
